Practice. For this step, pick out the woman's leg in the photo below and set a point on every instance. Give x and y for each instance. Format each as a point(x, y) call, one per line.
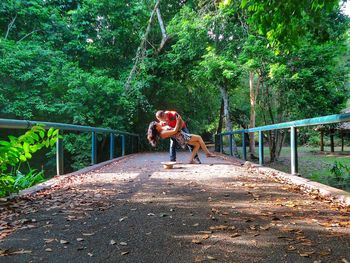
point(198, 139)
point(194, 151)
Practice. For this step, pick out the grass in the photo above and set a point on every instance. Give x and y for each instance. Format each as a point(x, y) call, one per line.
point(313, 164)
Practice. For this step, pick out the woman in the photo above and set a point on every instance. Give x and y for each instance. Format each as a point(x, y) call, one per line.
point(156, 131)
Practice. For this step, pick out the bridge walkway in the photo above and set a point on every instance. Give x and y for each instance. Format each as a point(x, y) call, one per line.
point(133, 210)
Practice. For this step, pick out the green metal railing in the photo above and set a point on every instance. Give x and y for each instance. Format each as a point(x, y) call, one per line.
point(25, 124)
point(292, 125)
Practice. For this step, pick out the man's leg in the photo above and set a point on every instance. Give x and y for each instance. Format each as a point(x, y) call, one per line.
point(172, 150)
point(190, 147)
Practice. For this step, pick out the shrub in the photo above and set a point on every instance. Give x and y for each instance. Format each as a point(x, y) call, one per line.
point(16, 151)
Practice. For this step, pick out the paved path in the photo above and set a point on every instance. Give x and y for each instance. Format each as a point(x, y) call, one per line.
point(133, 210)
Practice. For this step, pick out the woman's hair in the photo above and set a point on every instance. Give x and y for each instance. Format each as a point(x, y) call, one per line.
point(153, 134)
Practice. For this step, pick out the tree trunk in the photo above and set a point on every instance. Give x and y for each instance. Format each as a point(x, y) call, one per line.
point(219, 130)
point(342, 142)
point(252, 113)
point(322, 140)
point(227, 116)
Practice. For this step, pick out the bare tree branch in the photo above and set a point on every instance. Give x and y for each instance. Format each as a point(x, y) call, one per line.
point(27, 35)
point(10, 25)
point(140, 53)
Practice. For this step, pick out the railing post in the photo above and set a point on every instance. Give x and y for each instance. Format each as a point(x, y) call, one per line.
point(231, 149)
point(138, 143)
point(261, 147)
point(123, 144)
point(111, 146)
point(244, 146)
point(221, 143)
point(293, 150)
point(93, 148)
point(59, 156)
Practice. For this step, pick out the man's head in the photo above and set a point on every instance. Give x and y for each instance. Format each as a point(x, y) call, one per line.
point(160, 115)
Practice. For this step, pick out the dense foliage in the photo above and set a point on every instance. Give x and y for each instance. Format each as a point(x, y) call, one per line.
point(68, 61)
point(16, 151)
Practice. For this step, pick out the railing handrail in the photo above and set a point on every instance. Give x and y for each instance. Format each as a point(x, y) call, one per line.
point(292, 125)
point(27, 124)
point(329, 119)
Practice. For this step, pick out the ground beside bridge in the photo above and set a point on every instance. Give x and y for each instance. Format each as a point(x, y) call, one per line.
point(133, 210)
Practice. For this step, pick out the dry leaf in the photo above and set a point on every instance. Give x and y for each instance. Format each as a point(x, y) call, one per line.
point(344, 260)
point(122, 219)
point(235, 235)
point(211, 258)
point(88, 234)
point(124, 253)
point(90, 254)
point(49, 240)
point(123, 243)
point(291, 248)
point(112, 242)
point(22, 251)
point(196, 224)
point(221, 227)
point(206, 236)
point(196, 241)
point(48, 250)
point(79, 239)
point(64, 241)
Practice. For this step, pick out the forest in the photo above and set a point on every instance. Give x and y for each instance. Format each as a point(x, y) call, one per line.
point(223, 65)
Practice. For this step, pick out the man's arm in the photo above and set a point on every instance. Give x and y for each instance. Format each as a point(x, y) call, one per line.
point(179, 123)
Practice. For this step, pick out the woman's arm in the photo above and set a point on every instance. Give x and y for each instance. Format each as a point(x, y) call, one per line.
point(167, 133)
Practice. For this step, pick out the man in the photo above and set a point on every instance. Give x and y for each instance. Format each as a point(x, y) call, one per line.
point(169, 118)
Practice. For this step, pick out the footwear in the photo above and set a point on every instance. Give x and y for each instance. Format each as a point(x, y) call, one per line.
point(196, 158)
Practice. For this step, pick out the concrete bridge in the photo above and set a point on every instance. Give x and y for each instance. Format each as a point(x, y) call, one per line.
point(132, 210)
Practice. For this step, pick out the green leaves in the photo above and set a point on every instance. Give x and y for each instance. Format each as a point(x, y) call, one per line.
point(19, 150)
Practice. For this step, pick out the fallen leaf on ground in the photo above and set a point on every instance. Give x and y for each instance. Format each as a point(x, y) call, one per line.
point(49, 240)
point(48, 250)
point(306, 253)
point(88, 234)
point(211, 258)
point(206, 236)
point(90, 254)
point(64, 241)
point(344, 260)
point(22, 251)
point(122, 219)
point(291, 248)
point(196, 241)
point(124, 253)
point(221, 227)
point(123, 243)
point(112, 242)
point(80, 239)
point(235, 235)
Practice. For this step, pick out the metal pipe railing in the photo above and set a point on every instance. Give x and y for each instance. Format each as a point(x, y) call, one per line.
point(329, 119)
point(26, 124)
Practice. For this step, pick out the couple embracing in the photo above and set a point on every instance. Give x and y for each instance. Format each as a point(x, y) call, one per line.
point(170, 125)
